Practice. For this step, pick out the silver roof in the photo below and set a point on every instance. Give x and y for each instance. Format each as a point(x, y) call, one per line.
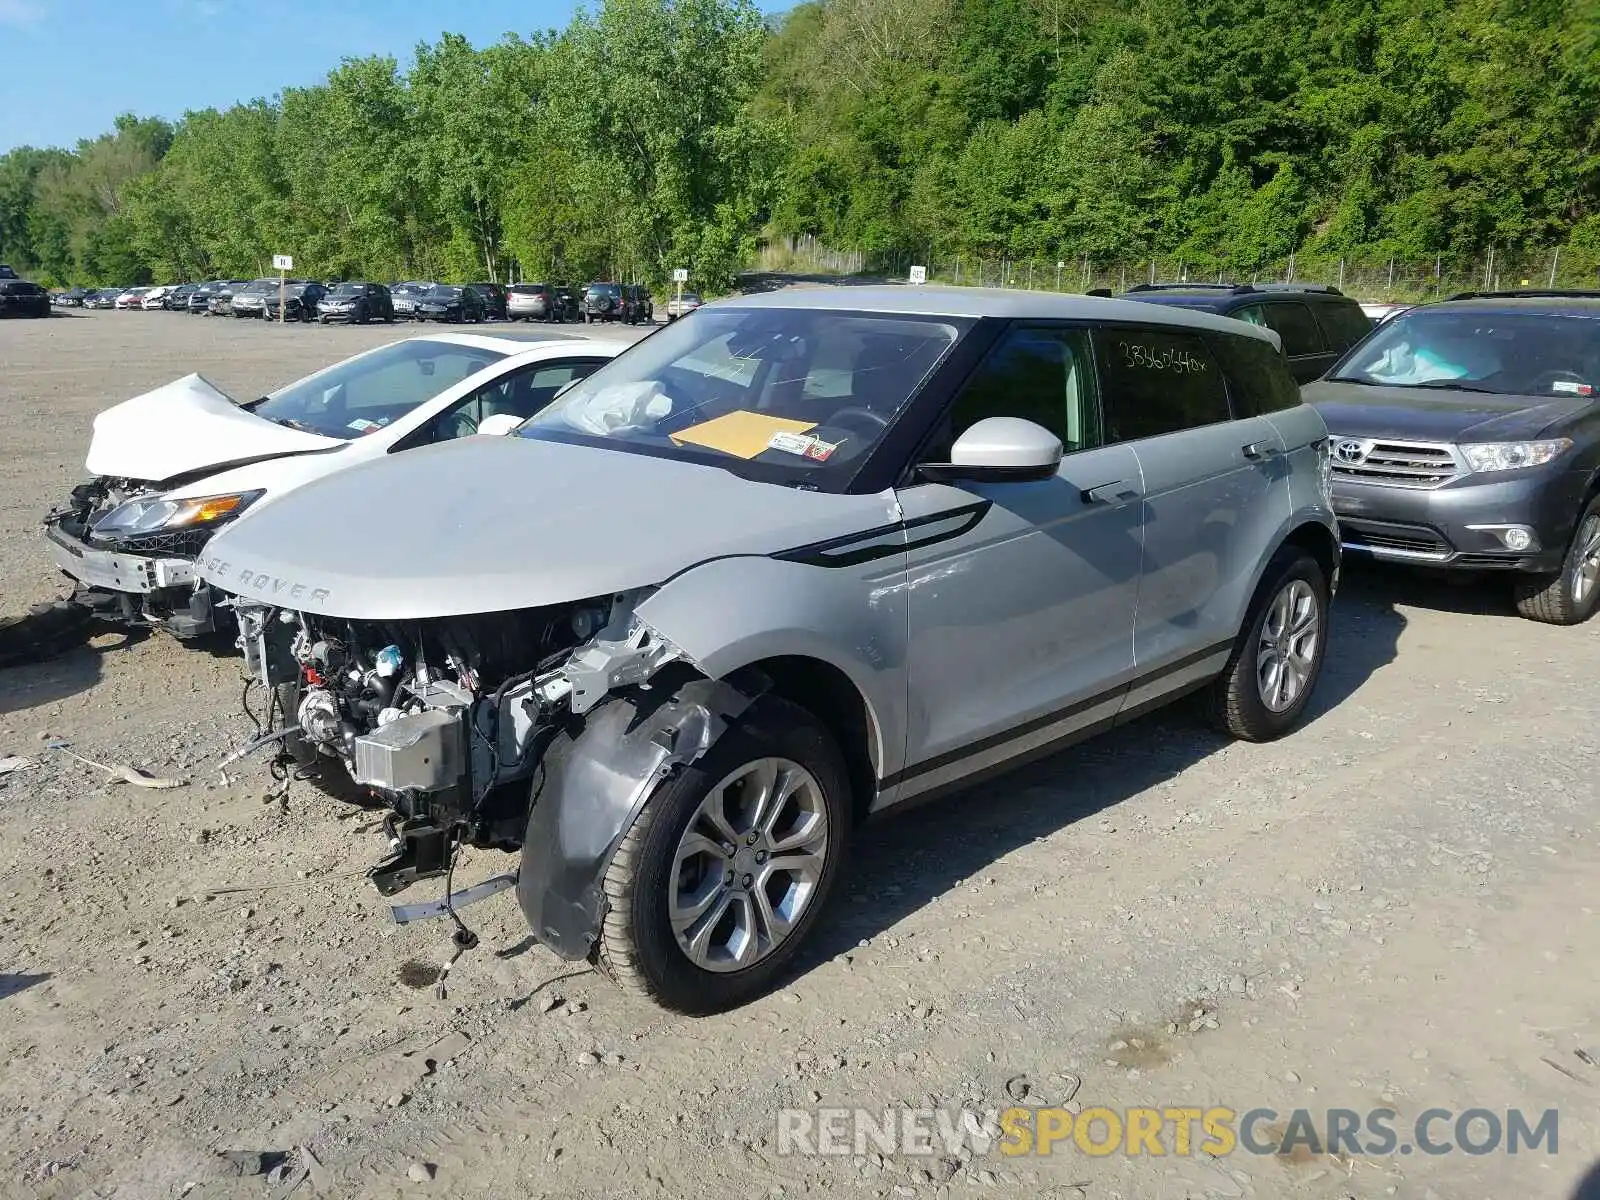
point(1009, 303)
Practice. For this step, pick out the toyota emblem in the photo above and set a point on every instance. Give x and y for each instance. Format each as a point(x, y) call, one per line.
point(1350, 451)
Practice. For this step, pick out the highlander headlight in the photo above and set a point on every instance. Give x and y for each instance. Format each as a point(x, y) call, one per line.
point(156, 513)
point(1509, 456)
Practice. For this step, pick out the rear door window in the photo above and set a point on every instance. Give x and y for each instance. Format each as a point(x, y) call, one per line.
point(1293, 322)
point(1155, 381)
point(1258, 376)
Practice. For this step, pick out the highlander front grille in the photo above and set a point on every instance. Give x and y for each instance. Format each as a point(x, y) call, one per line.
point(1394, 464)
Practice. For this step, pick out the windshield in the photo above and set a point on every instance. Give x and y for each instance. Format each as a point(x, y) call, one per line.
point(1514, 354)
point(349, 289)
point(367, 393)
point(444, 293)
point(786, 395)
point(605, 289)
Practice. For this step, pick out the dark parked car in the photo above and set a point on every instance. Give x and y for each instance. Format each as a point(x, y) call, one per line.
point(602, 302)
point(177, 300)
point(300, 299)
point(638, 306)
point(222, 298)
point(357, 303)
point(1466, 436)
point(199, 300)
point(1315, 322)
point(494, 299)
point(406, 295)
point(19, 298)
point(102, 298)
point(250, 299)
point(6, 272)
point(73, 297)
point(445, 302)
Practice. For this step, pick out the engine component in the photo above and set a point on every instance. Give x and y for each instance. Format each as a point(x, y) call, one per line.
point(624, 653)
point(319, 718)
point(424, 752)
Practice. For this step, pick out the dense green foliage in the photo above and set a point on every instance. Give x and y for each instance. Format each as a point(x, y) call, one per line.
point(658, 133)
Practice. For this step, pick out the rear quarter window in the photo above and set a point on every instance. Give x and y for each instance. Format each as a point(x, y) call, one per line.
point(1292, 321)
point(1258, 376)
point(1345, 324)
point(1155, 381)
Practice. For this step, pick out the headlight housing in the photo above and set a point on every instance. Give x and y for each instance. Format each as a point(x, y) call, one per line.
point(1511, 456)
point(152, 514)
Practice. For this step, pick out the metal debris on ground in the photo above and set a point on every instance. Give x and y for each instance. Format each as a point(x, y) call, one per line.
point(16, 762)
point(119, 772)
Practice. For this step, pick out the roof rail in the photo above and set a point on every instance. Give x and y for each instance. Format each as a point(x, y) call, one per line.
point(1324, 288)
point(1531, 294)
point(1198, 286)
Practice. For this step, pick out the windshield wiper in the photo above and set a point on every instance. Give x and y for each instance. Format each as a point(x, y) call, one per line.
point(291, 423)
point(1451, 385)
point(1344, 379)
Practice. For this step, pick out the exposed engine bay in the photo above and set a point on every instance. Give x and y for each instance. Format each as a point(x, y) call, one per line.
point(446, 720)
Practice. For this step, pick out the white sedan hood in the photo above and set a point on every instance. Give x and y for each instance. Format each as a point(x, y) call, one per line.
point(186, 426)
point(487, 524)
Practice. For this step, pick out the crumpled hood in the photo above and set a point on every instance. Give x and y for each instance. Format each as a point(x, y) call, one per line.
point(486, 524)
point(186, 426)
point(1433, 415)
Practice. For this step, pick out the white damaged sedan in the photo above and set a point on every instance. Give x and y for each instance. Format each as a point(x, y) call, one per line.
point(174, 465)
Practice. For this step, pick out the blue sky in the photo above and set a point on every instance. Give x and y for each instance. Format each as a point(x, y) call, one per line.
point(68, 67)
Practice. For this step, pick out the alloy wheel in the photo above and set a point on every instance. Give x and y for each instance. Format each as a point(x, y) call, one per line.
point(1287, 650)
point(1586, 561)
point(748, 864)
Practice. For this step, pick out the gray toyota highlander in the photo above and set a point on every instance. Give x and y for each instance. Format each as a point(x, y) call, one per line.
point(801, 560)
point(1466, 436)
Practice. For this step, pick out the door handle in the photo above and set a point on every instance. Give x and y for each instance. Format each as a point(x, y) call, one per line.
point(1256, 451)
point(1117, 492)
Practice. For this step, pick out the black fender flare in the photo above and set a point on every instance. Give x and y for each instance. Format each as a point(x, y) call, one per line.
point(591, 785)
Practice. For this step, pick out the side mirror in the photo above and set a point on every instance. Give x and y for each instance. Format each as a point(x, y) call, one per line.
point(999, 450)
point(499, 424)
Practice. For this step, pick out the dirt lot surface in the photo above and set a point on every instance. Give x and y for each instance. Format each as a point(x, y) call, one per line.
point(1393, 908)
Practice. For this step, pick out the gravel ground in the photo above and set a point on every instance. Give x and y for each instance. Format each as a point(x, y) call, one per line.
point(1391, 908)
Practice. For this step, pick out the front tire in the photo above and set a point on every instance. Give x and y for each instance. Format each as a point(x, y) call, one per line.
point(717, 883)
point(1570, 596)
point(1263, 691)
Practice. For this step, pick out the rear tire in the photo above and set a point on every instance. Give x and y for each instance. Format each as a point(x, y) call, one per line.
point(654, 871)
point(1277, 659)
point(1570, 596)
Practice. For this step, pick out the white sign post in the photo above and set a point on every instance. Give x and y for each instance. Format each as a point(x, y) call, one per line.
point(919, 274)
point(283, 264)
point(680, 276)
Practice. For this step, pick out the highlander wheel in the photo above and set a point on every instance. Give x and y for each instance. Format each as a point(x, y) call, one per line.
point(1264, 690)
point(1568, 597)
point(720, 878)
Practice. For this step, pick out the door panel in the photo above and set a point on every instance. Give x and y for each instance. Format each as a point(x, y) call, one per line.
point(1210, 511)
point(1021, 626)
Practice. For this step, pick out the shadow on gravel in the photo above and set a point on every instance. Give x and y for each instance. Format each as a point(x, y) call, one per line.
point(1487, 595)
point(46, 655)
point(902, 863)
point(11, 984)
point(1589, 1186)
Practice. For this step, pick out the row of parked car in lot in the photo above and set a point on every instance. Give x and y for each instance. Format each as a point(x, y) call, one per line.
point(360, 302)
point(669, 621)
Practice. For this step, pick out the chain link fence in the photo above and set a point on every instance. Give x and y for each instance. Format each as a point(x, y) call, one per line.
point(1366, 278)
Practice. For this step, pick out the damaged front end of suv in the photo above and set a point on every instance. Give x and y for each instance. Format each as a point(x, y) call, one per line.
point(443, 721)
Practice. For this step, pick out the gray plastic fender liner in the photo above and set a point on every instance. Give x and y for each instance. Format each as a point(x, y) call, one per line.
point(591, 787)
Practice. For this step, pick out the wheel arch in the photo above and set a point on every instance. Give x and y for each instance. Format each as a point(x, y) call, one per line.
point(828, 693)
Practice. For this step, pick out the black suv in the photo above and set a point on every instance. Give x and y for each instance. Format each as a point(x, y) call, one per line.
point(1315, 322)
point(19, 298)
point(300, 300)
point(1466, 435)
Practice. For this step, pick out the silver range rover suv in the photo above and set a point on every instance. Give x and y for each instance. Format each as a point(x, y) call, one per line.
point(795, 562)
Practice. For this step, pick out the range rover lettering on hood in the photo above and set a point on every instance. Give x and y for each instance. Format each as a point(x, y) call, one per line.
point(262, 584)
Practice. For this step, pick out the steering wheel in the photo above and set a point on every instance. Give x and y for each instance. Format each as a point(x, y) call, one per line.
point(1548, 379)
point(840, 417)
